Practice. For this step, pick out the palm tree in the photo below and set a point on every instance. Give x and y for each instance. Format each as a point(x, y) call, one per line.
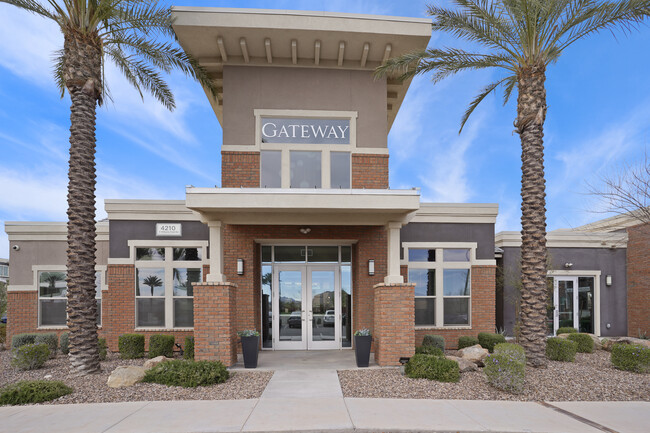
point(132, 34)
point(521, 38)
point(152, 281)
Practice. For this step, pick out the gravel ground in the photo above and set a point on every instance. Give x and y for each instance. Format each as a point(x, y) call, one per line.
point(591, 377)
point(93, 389)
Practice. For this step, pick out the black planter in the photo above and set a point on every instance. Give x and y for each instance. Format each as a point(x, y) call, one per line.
point(250, 348)
point(362, 349)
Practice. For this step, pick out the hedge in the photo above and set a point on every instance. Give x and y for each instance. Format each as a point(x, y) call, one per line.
point(429, 350)
point(30, 356)
point(433, 368)
point(131, 346)
point(434, 340)
point(32, 391)
point(584, 341)
point(506, 367)
point(22, 339)
point(467, 341)
point(161, 344)
point(631, 357)
point(189, 374)
point(51, 340)
point(488, 340)
point(64, 343)
point(566, 330)
point(189, 348)
point(560, 349)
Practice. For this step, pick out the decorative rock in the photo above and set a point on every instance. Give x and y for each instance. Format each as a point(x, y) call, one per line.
point(47, 376)
point(150, 363)
point(125, 376)
point(463, 364)
point(475, 354)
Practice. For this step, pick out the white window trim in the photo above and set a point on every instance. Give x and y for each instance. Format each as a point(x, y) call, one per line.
point(596, 276)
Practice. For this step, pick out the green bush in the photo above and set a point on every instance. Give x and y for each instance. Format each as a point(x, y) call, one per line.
point(506, 367)
point(3, 333)
point(30, 356)
point(566, 330)
point(584, 341)
point(434, 340)
point(432, 368)
point(161, 344)
point(33, 391)
point(429, 350)
point(488, 340)
point(103, 349)
point(466, 341)
point(190, 374)
point(64, 343)
point(560, 349)
point(631, 357)
point(189, 348)
point(51, 340)
point(22, 339)
point(131, 346)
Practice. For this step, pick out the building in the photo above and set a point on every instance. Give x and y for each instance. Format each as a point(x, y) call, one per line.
point(4, 270)
point(304, 240)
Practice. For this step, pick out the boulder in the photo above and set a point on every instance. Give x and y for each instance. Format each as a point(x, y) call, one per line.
point(609, 342)
point(463, 364)
point(126, 376)
point(475, 354)
point(150, 363)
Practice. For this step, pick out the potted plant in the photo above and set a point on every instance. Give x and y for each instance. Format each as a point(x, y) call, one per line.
point(250, 343)
point(362, 342)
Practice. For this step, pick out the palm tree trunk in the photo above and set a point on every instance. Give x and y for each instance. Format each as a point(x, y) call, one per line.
point(82, 76)
point(531, 113)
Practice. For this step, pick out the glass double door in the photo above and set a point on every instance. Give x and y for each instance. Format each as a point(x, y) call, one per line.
point(573, 301)
point(306, 306)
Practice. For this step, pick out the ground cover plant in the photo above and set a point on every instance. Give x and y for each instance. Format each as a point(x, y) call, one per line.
point(30, 356)
point(631, 357)
point(187, 373)
point(51, 340)
point(434, 340)
point(506, 367)
point(559, 349)
point(584, 341)
point(467, 341)
point(189, 348)
point(131, 346)
point(161, 345)
point(488, 340)
point(432, 367)
point(32, 391)
point(566, 330)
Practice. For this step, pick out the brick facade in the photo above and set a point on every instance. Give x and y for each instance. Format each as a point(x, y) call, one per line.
point(215, 317)
point(369, 171)
point(22, 313)
point(394, 322)
point(638, 280)
point(240, 169)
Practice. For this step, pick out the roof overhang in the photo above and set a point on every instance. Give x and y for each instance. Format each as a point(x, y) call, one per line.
point(567, 239)
point(157, 210)
point(477, 213)
point(299, 39)
point(47, 231)
point(268, 206)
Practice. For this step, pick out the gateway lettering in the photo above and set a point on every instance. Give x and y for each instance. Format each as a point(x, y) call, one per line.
point(314, 131)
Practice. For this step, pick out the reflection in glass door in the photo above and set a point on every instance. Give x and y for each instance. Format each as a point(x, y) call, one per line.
point(289, 313)
point(573, 299)
point(324, 324)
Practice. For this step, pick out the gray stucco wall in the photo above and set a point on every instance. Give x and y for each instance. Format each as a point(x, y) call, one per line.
point(482, 234)
point(613, 299)
point(124, 231)
point(247, 88)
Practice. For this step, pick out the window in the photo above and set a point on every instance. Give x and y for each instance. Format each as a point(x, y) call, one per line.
point(163, 288)
point(271, 164)
point(4, 271)
point(52, 298)
point(442, 278)
point(340, 170)
point(305, 169)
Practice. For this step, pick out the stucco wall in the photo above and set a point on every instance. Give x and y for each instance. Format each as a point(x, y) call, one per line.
point(482, 234)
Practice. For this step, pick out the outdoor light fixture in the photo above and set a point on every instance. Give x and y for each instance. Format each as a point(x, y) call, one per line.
point(305, 230)
point(240, 266)
point(371, 267)
point(568, 265)
point(608, 280)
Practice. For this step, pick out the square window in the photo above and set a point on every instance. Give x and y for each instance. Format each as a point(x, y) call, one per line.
point(183, 313)
point(456, 311)
point(425, 311)
point(183, 279)
point(425, 281)
point(52, 285)
point(150, 312)
point(53, 312)
point(150, 282)
point(305, 169)
point(456, 282)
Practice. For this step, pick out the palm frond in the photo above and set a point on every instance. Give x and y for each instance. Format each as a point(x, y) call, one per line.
point(479, 98)
point(33, 7)
point(58, 72)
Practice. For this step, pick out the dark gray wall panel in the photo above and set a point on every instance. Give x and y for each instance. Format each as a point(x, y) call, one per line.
point(124, 231)
point(482, 234)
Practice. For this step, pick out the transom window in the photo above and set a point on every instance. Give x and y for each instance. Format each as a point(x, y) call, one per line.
point(52, 298)
point(306, 169)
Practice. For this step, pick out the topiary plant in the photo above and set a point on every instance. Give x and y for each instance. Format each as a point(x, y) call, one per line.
point(584, 341)
point(566, 330)
point(51, 340)
point(432, 368)
point(161, 345)
point(560, 349)
point(434, 340)
point(429, 350)
point(189, 348)
point(488, 340)
point(466, 341)
point(22, 339)
point(131, 346)
point(189, 374)
point(506, 367)
point(33, 391)
point(30, 356)
point(631, 357)
point(64, 343)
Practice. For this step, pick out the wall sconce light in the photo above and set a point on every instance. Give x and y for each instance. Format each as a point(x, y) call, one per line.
point(568, 265)
point(305, 230)
point(240, 266)
point(371, 267)
point(608, 280)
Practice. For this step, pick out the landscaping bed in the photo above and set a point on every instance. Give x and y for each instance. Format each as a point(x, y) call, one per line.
point(590, 378)
point(93, 388)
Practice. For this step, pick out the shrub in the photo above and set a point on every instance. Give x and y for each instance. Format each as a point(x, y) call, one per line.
point(64, 343)
point(103, 349)
point(432, 368)
point(189, 348)
point(33, 391)
point(434, 340)
point(3, 333)
point(488, 340)
point(51, 340)
point(30, 356)
point(506, 367)
point(466, 341)
point(429, 350)
point(559, 349)
point(631, 357)
point(584, 341)
point(161, 344)
point(131, 346)
point(190, 374)
point(566, 330)
point(22, 339)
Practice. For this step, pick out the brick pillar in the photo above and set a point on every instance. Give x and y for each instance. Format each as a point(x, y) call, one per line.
point(394, 329)
point(215, 336)
point(638, 280)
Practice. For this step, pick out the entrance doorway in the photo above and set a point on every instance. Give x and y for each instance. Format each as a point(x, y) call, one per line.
point(573, 302)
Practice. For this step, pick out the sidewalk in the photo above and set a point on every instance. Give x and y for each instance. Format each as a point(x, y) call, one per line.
point(311, 400)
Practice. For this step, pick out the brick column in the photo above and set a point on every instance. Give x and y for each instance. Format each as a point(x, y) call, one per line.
point(638, 280)
point(394, 329)
point(215, 336)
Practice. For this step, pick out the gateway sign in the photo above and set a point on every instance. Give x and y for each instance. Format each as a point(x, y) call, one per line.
point(305, 131)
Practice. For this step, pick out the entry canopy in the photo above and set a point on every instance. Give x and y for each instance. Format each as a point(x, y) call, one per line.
point(302, 39)
point(303, 206)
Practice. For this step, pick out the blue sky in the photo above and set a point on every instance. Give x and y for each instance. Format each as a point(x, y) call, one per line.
point(598, 118)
